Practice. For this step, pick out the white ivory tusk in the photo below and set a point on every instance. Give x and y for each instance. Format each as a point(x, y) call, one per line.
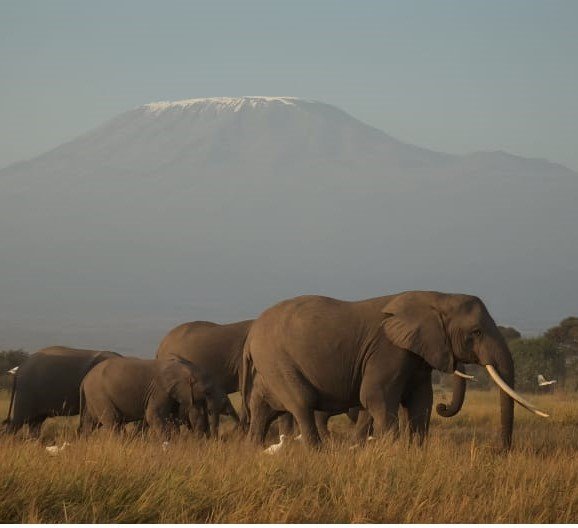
point(512, 393)
point(464, 375)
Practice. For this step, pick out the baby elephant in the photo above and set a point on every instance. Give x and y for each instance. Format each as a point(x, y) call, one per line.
point(122, 390)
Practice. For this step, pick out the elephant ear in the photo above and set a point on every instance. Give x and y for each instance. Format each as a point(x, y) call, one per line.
point(412, 322)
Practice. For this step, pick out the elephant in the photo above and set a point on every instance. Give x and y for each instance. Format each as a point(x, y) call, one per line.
point(122, 390)
point(47, 384)
point(318, 353)
point(216, 348)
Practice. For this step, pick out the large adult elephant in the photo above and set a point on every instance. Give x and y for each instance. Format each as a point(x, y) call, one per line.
point(216, 348)
point(47, 384)
point(315, 352)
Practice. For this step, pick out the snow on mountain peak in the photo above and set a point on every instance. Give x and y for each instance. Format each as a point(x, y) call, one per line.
point(221, 103)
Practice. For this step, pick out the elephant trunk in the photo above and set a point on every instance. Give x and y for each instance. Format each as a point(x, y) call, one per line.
point(458, 396)
point(495, 355)
point(198, 421)
point(505, 367)
point(501, 370)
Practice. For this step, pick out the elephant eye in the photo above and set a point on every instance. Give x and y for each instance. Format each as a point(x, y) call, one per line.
point(477, 333)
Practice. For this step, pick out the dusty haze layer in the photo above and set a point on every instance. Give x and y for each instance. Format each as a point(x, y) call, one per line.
point(216, 208)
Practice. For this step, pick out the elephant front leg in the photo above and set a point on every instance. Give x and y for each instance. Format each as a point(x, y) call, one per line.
point(383, 409)
point(364, 426)
point(87, 424)
point(158, 422)
point(419, 406)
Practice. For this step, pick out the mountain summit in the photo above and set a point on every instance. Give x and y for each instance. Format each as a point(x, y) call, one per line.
point(214, 208)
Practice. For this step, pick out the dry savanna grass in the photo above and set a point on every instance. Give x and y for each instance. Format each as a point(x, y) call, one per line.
point(457, 477)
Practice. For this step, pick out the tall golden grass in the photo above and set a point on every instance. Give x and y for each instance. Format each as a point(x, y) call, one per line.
point(457, 477)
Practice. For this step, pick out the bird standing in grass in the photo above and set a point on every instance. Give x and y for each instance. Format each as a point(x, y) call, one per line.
point(275, 447)
point(53, 450)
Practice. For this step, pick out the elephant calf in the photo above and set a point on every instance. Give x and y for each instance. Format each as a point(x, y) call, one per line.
point(122, 390)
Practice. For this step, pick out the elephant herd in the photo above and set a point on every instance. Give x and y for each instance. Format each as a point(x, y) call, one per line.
point(302, 360)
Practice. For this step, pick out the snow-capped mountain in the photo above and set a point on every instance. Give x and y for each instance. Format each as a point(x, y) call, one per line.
point(215, 208)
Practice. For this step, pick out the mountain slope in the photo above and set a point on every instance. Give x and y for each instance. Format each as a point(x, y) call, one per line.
point(215, 208)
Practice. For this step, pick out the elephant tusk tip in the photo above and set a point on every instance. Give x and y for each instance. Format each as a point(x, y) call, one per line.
point(542, 414)
point(465, 376)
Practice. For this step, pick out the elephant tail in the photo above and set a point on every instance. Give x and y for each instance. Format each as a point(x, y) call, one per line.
point(12, 396)
point(247, 373)
point(81, 407)
point(458, 396)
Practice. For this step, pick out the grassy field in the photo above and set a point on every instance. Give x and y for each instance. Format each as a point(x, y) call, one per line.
point(458, 477)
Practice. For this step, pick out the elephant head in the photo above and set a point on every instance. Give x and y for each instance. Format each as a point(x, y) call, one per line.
point(445, 329)
point(200, 400)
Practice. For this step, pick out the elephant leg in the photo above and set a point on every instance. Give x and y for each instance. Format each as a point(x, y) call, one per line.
point(384, 411)
point(419, 407)
point(306, 419)
point(87, 424)
point(364, 426)
point(243, 420)
point(286, 424)
point(261, 417)
point(110, 420)
point(158, 423)
point(321, 419)
point(140, 428)
point(353, 414)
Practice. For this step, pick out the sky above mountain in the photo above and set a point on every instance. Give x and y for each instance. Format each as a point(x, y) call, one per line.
point(451, 76)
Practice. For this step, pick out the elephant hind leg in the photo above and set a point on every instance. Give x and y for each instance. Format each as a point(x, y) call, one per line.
point(110, 418)
point(306, 419)
point(286, 424)
point(321, 420)
point(262, 414)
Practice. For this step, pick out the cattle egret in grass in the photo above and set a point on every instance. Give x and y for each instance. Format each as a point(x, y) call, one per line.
point(543, 382)
point(13, 371)
point(165, 446)
point(54, 449)
point(275, 447)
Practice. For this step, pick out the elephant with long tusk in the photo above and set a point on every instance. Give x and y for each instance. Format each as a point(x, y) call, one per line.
point(317, 353)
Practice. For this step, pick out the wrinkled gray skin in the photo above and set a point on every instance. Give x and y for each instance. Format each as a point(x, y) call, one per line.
point(47, 384)
point(122, 390)
point(215, 348)
point(318, 353)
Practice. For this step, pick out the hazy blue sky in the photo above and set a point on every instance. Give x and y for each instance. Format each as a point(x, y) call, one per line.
point(455, 76)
